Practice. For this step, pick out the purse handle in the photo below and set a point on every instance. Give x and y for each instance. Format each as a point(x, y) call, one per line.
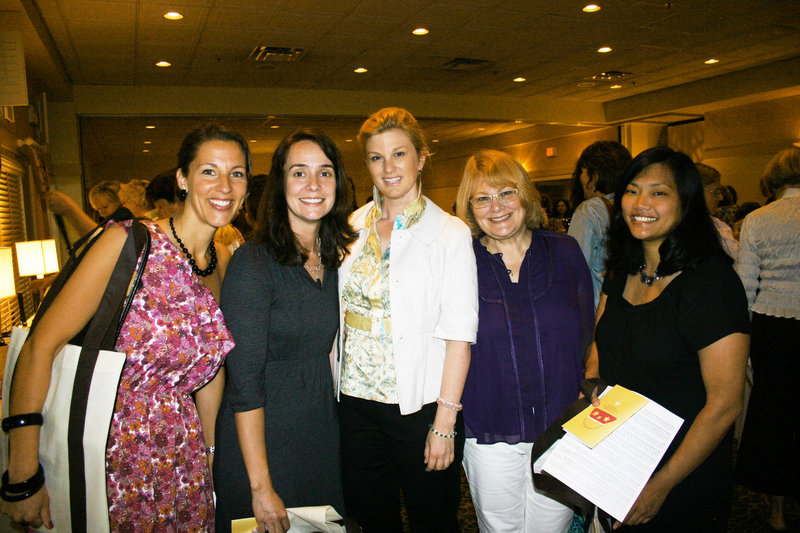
point(111, 305)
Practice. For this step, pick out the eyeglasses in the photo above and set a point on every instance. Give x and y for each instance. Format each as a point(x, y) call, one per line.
point(485, 200)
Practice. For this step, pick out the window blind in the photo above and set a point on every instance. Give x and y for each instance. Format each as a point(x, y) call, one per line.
point(12, 229)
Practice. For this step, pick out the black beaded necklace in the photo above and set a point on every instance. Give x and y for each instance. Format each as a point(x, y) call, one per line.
point(212, 264)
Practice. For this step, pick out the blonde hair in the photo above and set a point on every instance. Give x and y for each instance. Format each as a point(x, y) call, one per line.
point(107, 188)
point(394, 118)
point(135, 193)
point(783, 170)
point(497, 169)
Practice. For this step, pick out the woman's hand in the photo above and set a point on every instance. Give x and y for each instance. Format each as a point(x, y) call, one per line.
point(439, 452)
point(591, 387)
point(59, 203)
point(270, 512)
point(595, 400)
point(30, 512)
point(647, 504)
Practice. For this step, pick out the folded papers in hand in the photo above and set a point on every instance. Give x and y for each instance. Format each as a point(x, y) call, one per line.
point(321, 518)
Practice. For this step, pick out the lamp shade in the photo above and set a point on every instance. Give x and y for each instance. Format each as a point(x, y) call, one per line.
point(37, 258)
point(7, 287)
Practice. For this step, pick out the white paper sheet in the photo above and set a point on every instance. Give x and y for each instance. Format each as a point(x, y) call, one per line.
point(301, 520)
point(612, 474)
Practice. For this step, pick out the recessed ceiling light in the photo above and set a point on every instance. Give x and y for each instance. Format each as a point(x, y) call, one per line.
point(253, 140)
point(420, 31)
point(616, 87)
point(145, 151)
point(173, 15)
point(604, 49)
point(591, 8)
point(274, 127)
point(519, 79)
point(164, 64)
point(435, 140)
point(348, 140)
point(711, 61)
point(360, 70)
point(150, 127)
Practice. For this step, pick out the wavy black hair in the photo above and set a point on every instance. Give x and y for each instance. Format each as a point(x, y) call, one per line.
point(693, 239)
point(273, 226)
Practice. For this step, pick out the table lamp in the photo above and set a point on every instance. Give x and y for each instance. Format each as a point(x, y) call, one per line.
point(37, 258)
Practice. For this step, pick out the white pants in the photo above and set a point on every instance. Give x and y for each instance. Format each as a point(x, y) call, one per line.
point(505, 500)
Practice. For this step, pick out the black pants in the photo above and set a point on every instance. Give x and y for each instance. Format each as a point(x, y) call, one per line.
point(383, 451)
point(769, 455)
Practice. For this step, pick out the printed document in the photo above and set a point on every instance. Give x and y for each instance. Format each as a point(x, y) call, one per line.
point(613, 473)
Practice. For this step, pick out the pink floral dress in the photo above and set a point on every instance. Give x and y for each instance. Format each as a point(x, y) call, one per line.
point(175, 339)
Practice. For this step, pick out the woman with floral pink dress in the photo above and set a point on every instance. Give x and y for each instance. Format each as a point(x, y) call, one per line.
point(161, 437)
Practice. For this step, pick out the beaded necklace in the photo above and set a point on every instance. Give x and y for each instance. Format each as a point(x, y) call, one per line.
point(644, 279)
point(212, 264)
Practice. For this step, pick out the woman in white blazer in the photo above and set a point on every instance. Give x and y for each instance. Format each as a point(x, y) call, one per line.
point(409, 312)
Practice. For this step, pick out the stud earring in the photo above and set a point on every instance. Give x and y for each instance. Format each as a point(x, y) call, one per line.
point(182, 195)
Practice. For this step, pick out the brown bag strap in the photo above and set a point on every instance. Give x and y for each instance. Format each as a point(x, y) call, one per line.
point(543, 481)
point(101, 335)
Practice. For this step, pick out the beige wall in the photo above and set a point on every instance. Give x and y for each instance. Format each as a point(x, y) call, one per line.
point(739, 141)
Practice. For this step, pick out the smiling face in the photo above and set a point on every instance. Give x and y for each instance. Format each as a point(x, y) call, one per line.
point(499, 221)
point(650, 204)
point(394, 165)
point(310, 181)
point(216, 183)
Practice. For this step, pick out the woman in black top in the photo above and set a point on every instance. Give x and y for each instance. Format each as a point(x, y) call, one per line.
point(277, 434)
point(673, 326)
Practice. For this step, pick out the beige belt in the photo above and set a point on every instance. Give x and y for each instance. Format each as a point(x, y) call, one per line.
point(364, 323)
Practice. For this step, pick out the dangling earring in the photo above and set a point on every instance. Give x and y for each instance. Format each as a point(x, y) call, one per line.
point(182, 195)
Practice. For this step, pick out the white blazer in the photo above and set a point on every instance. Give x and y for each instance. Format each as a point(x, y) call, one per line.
point(433, 298)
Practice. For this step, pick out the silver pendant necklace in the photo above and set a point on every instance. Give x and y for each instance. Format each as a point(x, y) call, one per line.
point(315, 270)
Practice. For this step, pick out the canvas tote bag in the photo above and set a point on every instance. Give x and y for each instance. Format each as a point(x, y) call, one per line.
point(83, 388)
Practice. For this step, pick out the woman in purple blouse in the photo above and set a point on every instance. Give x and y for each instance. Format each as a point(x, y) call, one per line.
point(536, 317)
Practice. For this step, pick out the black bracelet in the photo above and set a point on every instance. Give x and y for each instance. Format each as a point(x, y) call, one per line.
point(15, 492)
point(18, 421)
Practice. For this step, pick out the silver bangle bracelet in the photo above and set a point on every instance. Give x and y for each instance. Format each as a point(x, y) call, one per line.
point(439, 434)
point(210, 449)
